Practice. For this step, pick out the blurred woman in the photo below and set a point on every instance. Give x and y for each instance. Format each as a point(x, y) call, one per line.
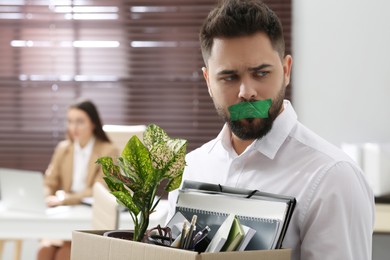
point(72, 170)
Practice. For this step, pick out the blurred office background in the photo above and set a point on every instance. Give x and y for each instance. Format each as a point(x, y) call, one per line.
point(140, 62)
point(341, 80)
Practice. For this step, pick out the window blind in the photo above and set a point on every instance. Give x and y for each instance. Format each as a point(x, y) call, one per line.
point(138, 61)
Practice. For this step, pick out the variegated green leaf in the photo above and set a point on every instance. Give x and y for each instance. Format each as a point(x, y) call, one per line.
point(107, 165)
point(176, 144)
point(138, 156)
point(154, 135)
point(127, 168)
point(126, 200)
point(136, 183)
point(112, 170)
point(176, 166)
point(174, 183)
point(138, 199)
point(113, 184)
point(160, 155)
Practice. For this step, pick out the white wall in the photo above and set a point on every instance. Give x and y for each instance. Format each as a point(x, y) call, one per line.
point(341, 70)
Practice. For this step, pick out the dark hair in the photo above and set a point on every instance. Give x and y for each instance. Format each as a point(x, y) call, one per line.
point(92, 112)
point(235, 18)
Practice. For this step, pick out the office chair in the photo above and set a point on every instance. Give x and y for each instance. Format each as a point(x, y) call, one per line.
point(105, 213)
point(17, 248)
point(120, 134)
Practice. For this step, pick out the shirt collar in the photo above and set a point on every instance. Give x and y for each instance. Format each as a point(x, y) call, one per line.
point(270, 144)
point(87, 149)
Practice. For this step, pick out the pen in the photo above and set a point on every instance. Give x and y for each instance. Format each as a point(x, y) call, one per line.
point(184, 234)
point(190, 232)
point(200, 236)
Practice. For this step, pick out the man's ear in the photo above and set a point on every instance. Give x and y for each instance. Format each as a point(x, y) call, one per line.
point(287, 64)
point(206, 77)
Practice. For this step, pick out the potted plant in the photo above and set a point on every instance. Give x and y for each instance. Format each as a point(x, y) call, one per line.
point(140, 170)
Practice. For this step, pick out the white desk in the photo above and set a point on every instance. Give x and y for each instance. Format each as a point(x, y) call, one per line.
point(22, 225)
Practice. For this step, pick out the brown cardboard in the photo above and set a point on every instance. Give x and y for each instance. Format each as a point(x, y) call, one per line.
point(92, 245)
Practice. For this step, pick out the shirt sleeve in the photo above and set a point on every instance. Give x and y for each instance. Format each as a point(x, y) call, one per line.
point(339, 218)
point(52, 173)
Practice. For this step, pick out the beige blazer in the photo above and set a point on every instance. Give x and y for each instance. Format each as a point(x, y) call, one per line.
point(59, 173)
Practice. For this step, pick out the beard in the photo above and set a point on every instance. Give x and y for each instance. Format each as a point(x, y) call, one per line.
point(254, 128)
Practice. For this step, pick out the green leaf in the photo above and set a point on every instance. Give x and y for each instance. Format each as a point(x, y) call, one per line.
point(155, 205)
point(127, 168)
point(177, 163)
point(136, 183)
point(176, 144)
point(138, 157)
point(112, 170)
point(154, 135)
point(113, 184)
point(160, 155)
point(174, 183)
point(107, 165)
point(126, 200)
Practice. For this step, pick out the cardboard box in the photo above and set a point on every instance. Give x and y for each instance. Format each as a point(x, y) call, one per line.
point(92, 245)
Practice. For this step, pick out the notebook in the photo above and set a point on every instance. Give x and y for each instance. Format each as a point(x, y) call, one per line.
point(249, 233)
point(236, 235)
point(269, 214)
point(221, 236)
point(23, 190)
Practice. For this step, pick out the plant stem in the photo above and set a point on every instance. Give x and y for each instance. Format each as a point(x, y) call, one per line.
point(136, 226)
point(143, 225)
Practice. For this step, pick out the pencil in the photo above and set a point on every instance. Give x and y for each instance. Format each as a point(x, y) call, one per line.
point(191, 232)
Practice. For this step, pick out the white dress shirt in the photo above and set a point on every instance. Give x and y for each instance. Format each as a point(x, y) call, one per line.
point(334, 215)
point(81, 157)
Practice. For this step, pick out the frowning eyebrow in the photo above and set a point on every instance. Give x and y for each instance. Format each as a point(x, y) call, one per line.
point(227, 72)
point(260, 67)
point(257, 68)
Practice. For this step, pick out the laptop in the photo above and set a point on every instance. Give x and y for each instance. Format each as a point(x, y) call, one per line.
point(23, 190)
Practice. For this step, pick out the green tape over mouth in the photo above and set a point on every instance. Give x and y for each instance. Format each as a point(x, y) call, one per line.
point(256, 109)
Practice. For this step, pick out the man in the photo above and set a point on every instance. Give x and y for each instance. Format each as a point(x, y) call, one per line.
point(247, 73)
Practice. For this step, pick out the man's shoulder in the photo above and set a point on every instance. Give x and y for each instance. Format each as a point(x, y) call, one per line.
point(319, 147)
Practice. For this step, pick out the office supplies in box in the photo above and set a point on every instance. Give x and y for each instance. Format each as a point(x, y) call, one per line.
point(269, 214)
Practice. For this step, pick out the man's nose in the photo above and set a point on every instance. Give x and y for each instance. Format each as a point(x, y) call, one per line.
point(247, 90)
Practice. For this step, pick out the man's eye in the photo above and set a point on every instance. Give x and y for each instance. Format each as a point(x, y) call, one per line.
point(262, 73)
point(229, 78)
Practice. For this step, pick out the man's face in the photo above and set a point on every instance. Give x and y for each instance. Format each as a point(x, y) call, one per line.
point(247, 69)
